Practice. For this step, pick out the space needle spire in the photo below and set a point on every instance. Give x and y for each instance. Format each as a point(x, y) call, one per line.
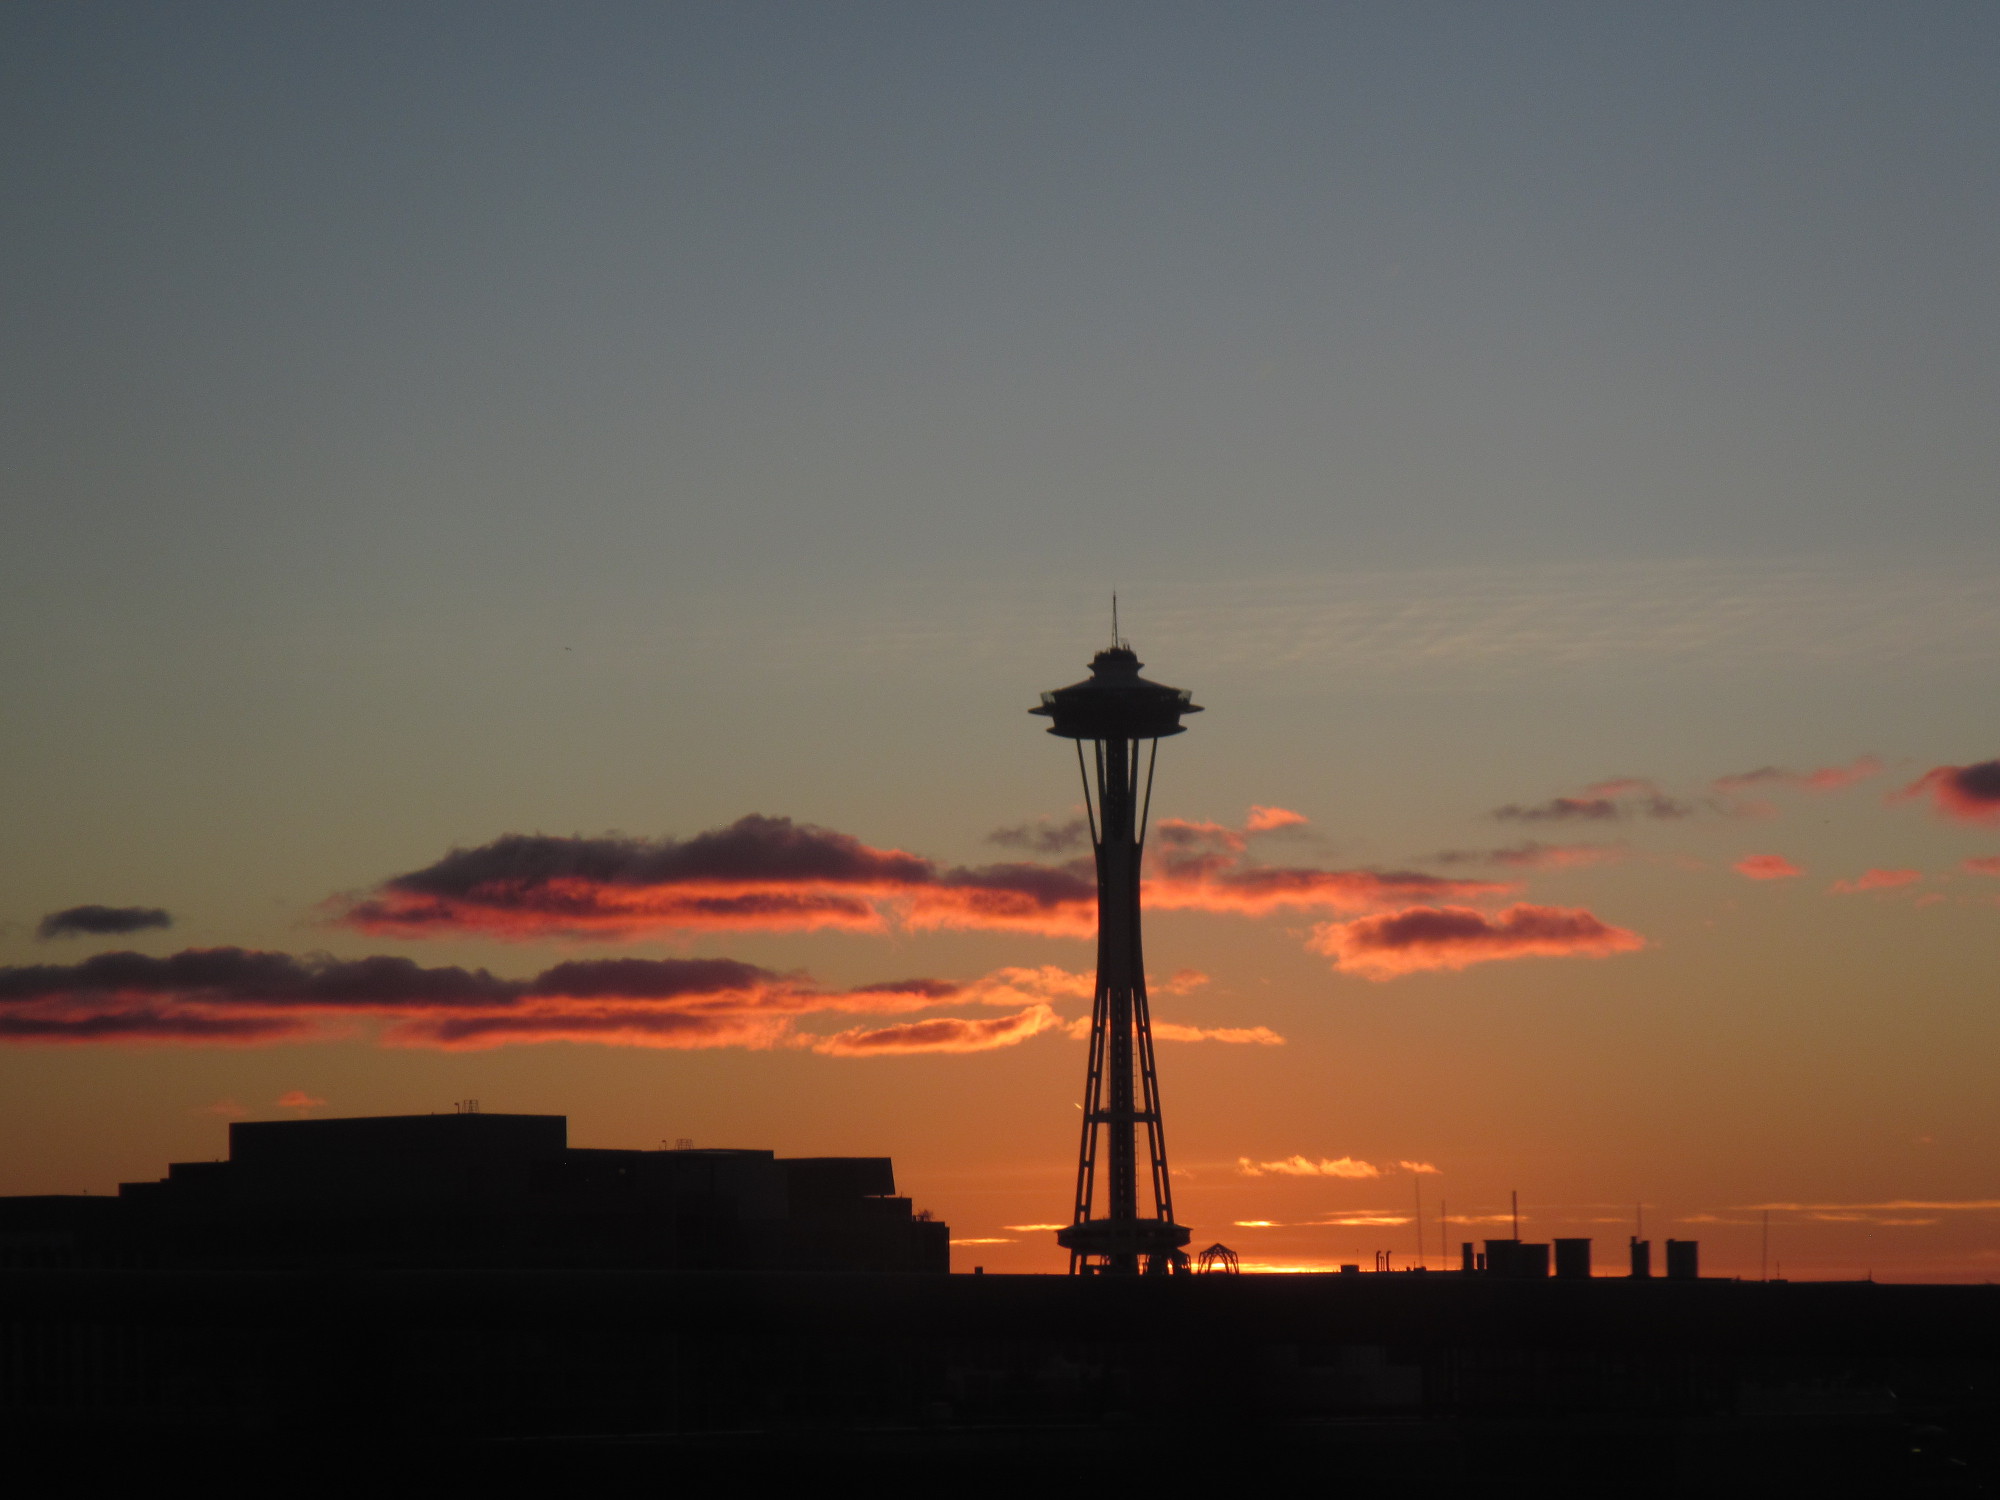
point(1122, 718)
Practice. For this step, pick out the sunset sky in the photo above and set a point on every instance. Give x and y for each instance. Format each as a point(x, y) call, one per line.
point(532, 532)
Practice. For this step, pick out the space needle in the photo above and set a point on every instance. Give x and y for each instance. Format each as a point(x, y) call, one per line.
point(1122, 718)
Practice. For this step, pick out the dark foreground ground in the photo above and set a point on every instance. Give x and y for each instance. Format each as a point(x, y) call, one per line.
point(622, 1382)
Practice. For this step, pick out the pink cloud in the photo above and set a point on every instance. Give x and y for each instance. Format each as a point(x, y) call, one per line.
point(1965, 794)
point(759, 873)
point(1228, 885)
point(1823, 779)
point(232, 995)
point(763, 873)
point(298, 1099)
point(1453, 937)
point(1766, 867)
point(1982, 864)
point(1875, 880)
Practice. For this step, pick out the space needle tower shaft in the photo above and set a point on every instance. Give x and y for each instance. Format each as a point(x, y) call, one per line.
point(1117, 719)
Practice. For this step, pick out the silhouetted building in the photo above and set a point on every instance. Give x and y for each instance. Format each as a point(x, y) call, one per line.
point(1573, 1259)
point(1683, 1259)
point(1517, 1260)
point(483, 1191)
point(1642, 1258)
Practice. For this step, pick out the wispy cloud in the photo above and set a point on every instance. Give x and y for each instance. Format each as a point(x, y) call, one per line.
point(943, 1034)
point(1044, 836)
point(1875, 880)
point(1323, 1166)
point(1453, 937)
point(1360, 1219)
point(1536, 855)
point(1605, 802)
point(1255, 1036)
point(1766, 867)
point(1484, 623)
point(1205, 866)
point(1271, 819)
point(1302, 1166)
point(1782, 778)
point(1890, 1205)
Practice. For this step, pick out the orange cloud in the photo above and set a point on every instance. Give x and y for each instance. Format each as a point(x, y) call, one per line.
point(298, 1099)
point(1256, 1036)
point(1766, 867)
point(603, 1025)
point(1966, 794)
point(1302, 1166)
point(1982, 864)
point(1875, 880)
point(945, 1034)
point(1453, 937)
point(1269, 819)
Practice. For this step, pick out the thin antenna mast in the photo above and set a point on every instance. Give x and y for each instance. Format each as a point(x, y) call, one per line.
point(1116, 639)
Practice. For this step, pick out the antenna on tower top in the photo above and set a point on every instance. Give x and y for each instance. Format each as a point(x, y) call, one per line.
point(1116, 639)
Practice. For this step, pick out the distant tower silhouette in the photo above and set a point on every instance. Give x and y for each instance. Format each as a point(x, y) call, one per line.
point(1117, 710)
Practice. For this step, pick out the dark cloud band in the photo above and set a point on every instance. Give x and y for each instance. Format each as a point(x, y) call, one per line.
point(101, 921)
